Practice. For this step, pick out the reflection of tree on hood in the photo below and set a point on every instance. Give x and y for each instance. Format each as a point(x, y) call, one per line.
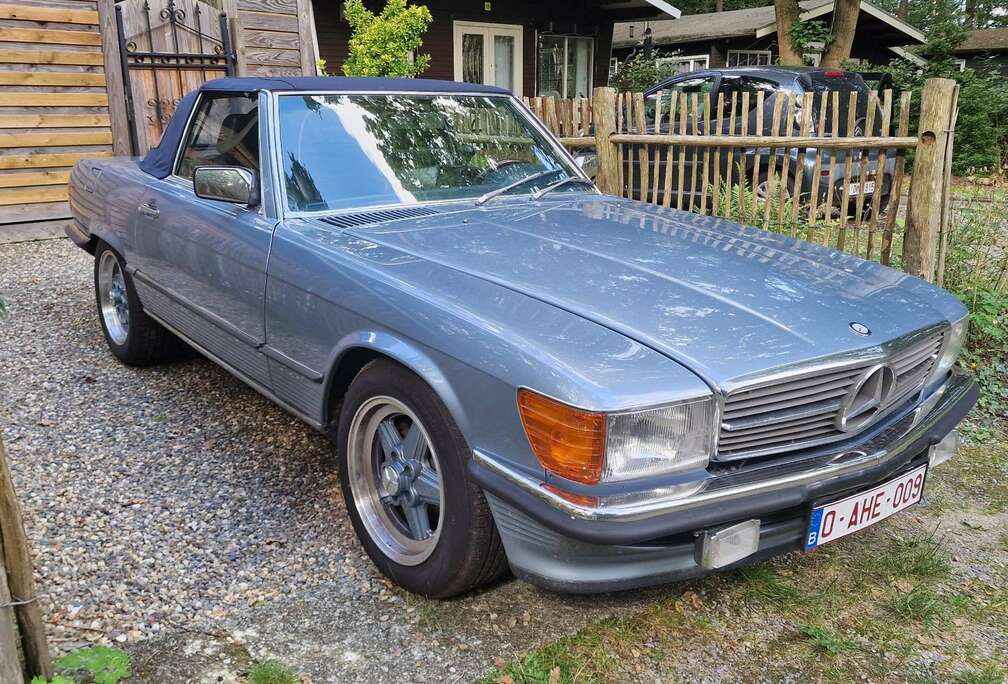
point(301, 188)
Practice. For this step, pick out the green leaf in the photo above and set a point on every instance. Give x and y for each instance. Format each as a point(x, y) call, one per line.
point(105, 664)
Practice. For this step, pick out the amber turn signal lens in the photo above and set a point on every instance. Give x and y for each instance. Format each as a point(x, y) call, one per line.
point(568, 442)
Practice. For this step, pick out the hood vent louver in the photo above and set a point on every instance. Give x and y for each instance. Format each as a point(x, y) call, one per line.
point(369, 217)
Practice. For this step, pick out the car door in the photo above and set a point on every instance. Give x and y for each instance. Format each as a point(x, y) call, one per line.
point(203, 262)
point(689, 85)
point(742, 93)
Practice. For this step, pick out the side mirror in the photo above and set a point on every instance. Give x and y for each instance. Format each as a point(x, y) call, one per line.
point(234, 184)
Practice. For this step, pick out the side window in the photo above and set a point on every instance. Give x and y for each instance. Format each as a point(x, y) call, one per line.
point(224, 132)
point(699, 85)
point(737, 85)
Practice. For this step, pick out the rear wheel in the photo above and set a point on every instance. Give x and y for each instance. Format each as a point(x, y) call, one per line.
point(133, 337)
point(420, 518)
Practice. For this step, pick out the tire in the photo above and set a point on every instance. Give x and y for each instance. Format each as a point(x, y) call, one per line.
point(391, 500)
point(135, 338)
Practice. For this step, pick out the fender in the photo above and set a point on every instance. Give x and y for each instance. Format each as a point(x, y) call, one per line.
point(403, 351)
point(100, 231)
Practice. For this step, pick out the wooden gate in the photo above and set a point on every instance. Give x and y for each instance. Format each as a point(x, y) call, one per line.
point(53, 106)
point(167, 48)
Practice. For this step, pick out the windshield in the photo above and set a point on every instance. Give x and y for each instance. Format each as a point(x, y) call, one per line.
point(348, 151)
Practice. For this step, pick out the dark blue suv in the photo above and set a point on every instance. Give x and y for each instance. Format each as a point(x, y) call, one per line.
point(772, 81)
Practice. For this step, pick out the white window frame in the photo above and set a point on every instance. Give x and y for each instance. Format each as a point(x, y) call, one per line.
point(695, 61)
point(563, 78)
point(749, 53)
point(488, 31)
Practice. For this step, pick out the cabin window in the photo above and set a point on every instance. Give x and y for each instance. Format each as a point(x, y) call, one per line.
point(682, 64)
point(749, 58)
point(565, 66)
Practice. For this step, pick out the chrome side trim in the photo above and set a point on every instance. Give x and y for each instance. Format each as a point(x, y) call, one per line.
point(920, 420)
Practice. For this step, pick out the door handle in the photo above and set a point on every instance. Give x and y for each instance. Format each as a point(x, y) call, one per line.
point(149, 211)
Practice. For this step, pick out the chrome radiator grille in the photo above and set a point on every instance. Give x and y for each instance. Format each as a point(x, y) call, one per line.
point(801, 410)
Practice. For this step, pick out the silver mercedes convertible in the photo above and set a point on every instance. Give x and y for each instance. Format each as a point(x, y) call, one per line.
point(514, 369)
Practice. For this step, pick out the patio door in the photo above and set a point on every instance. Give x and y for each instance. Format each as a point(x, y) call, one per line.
point(489, 53)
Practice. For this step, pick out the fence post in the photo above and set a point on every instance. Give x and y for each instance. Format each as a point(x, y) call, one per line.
point(18, 569)
point(928, 186)
point(604, 113)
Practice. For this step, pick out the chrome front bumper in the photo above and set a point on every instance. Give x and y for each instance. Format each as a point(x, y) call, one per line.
point(574, 548)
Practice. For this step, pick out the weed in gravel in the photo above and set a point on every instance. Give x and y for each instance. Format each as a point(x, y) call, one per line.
point(271, 672)
point(827, 641)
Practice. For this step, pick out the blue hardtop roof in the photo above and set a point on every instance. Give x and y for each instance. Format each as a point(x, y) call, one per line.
point(159, 160)
point(249, 84)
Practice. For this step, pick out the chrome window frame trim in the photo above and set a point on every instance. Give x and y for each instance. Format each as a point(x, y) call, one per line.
point(524, 112)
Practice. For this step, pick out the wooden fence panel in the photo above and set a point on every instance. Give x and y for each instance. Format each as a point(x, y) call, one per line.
point(53, 103)
point(827, 167)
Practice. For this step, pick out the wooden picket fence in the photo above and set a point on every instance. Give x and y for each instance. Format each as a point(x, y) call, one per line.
point(798, 165)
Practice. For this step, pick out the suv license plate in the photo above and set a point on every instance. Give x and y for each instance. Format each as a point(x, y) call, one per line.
point(855, 188)
point(833, 521)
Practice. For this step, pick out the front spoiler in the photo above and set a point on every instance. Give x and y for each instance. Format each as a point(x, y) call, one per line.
point(747, 494)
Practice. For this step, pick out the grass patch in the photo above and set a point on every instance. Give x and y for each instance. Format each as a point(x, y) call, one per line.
point(763, 583)
point(923, 558)
point(587, 657)
point(271, 672)
point(982, 472)
point(923, 604)
point(988, 675)
point(827, 641)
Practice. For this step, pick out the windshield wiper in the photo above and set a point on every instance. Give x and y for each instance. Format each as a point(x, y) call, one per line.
point(483, 199)
point(553, 186)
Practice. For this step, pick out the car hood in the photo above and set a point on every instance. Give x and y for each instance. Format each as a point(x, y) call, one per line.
point(725, 300)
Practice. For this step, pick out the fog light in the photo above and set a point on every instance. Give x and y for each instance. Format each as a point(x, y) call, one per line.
point(944, 450)
point(718, 548)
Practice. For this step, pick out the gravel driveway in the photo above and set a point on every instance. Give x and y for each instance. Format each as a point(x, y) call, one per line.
point(177, 512)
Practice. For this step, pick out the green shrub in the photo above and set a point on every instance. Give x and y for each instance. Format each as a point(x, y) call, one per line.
point(386, 44)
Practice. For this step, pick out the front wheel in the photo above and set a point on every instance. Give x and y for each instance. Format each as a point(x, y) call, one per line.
point(133, 337)
point(403, 473)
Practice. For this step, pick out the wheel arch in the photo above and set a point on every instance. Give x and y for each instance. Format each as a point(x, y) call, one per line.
point(101, 233)
point(358, 349)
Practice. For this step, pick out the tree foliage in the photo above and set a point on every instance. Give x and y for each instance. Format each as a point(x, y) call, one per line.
point(386, 44)
point(981, 138)
point(641, 71)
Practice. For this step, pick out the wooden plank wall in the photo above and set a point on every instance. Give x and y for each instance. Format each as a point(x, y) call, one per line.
point(274, 37)
point(53, 103)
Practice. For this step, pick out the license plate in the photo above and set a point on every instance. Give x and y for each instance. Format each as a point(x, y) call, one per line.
point(855, 188)
point(833, 521)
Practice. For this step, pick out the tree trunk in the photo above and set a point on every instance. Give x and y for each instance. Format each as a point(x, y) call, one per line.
point(719, 6)
point(845, 16)
point(787, 14)
point(904, 9)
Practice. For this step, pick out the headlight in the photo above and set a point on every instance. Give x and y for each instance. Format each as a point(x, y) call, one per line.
point(955, 338)
point(659, 441)
point(592, 447)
